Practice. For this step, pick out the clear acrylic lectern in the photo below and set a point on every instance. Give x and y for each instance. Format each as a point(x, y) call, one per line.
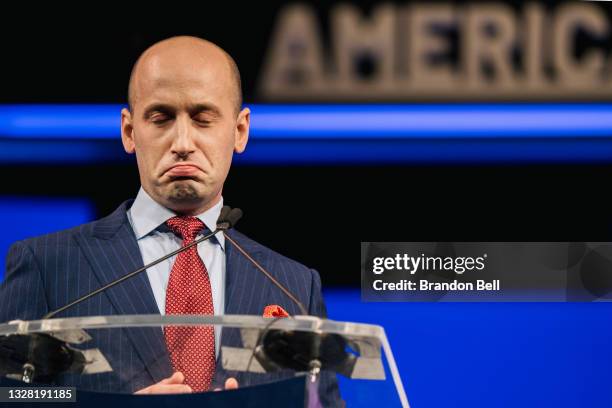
point(93, 355)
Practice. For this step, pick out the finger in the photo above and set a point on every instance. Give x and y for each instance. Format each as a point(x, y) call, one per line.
point(231, 383)
point(175, 389)
point(146, 390)
point(176, 378)
point(165, 389)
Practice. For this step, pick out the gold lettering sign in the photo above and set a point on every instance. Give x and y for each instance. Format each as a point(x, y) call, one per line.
point(440, 51)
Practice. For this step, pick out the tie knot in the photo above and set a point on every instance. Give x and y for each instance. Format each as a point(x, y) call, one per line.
point(186, 226)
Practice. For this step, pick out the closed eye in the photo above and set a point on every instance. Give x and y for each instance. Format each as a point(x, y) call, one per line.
point(202, 119)
point(159, 118)
point(158, 114)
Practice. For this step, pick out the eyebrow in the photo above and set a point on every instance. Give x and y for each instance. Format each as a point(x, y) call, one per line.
point(204, 108)
point(192, 109)
point(157, 107)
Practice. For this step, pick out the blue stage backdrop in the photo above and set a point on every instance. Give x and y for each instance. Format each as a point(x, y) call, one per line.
point(491, 354)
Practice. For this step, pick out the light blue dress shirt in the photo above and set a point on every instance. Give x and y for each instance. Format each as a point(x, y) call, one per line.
point(155, 239)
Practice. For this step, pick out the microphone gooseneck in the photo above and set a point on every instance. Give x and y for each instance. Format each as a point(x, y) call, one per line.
point(227, 220)
point(224, 222)
point(286, 291)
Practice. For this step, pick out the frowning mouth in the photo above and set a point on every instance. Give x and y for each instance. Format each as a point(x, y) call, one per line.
point(182, 171)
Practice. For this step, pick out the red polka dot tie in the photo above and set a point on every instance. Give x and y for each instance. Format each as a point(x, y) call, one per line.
point(192, 349)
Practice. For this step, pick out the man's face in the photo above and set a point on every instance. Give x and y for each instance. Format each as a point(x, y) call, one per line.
point(184, 129)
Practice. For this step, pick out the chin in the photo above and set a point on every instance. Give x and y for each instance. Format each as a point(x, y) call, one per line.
point(184, 191)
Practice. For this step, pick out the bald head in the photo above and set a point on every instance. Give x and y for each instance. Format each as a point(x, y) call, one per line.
point(178, 58)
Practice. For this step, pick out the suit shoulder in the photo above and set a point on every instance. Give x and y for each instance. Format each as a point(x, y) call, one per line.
point(110, 222)
point(61, 237)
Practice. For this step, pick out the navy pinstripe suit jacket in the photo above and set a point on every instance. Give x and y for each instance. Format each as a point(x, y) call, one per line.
point(45, 273)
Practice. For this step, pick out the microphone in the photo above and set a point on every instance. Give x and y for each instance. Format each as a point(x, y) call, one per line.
point(235, 216)
point(227, 219)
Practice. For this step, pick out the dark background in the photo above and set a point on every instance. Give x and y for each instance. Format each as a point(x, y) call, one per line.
point(315, 214)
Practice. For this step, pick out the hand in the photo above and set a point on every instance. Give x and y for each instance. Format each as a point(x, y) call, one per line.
point(171, 385)
point(174, 385)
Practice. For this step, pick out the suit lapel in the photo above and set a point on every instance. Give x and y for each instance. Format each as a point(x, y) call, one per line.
point(246, 288)
point(112, 251)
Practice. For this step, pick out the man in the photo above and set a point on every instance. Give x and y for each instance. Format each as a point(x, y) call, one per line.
point(185, 120)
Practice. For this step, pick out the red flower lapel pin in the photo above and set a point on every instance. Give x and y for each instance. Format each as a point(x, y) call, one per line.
point(274, 311)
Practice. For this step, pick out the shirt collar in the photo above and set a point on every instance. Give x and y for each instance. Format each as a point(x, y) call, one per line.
point(146, 215)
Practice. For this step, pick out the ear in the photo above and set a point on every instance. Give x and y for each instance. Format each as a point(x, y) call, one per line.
point(241, 135)
point(127, 131)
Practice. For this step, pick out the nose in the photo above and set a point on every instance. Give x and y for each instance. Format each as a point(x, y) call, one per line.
point(182, 141)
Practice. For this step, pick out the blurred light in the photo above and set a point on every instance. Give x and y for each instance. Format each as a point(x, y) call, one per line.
point(60, 121)
point(344, 134)
point(434, 120)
